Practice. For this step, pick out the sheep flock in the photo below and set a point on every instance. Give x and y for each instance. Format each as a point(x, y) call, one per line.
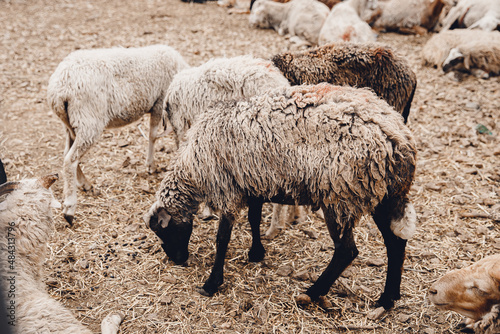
point(437, 152)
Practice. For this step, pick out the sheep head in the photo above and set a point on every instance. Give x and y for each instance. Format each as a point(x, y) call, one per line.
point(173, 231)
point(455, 61)
point(470, 291)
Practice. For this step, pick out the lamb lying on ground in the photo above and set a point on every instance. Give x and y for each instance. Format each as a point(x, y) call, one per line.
point(300, 18)
point(25, 228)
point(473, 14)
point(339, 148)
point(409, 16)
point(473, 292)
point(464, 50)
point(92, 90)
point(345, 23)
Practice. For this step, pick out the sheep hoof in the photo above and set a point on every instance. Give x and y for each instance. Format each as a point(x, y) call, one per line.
point(206, 291)
point(69, 219)
point(386, 302)
point(303, 299)
point(256, 255)
point(324, 303)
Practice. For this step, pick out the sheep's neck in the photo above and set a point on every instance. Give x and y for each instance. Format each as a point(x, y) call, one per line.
point(179, 194)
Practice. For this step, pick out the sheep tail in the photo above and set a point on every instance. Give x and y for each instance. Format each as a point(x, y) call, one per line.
point(405, 226)
point(60, 107)
point(406, 110)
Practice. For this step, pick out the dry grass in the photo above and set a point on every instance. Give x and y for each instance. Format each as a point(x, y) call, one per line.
point(455, 193)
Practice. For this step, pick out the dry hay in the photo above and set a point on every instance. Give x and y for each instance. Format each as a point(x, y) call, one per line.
point(110, 261)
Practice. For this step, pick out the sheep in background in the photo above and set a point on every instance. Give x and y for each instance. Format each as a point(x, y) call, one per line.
point(339, 148)
point(346, 64)
point(329, 3)
point(300, 18)
point(344, 23)
point(473, 292)
point(464, 50)
point(92, 90)
point(193, 90)
point(25, 228)
point(473, 14)
point(409, 17)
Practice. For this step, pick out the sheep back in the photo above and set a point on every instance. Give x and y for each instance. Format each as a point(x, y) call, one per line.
point(193, 90)
point(356, 65)
point(318, 145)
point(115, 86)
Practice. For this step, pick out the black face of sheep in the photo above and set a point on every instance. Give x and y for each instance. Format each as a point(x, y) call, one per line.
point(175, 235)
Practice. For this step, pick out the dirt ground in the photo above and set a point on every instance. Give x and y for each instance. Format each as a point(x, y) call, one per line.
point(110, 261)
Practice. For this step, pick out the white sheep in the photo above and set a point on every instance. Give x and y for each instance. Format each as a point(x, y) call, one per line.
point(300, 18)
point(473, 14)
point(339, 148)
point(193, 90)
point(464, 50)
point(410, 16)
point(473, 292)
point(92, 90)
point(25, 228)
point(344, 23)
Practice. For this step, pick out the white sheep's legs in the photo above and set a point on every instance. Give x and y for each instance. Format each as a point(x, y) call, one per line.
point(111, 323)
point(283, 214)
point(81, 180)
point(154, 124)
point(70, 175)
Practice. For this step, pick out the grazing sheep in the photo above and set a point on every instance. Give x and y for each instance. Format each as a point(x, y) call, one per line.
point(463, 50)
point(339, 148)
point(473, 14)
point(473, 292)
point(344, 23)
point(92, 90)
point(347, 64)
point(301, 18)
point(25, 227)
point(193, 90)
point(409, 17)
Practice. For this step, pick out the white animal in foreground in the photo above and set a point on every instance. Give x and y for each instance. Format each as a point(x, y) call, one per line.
point(25, 228)
point(464, 50)
point(473, 14)
point(339, 148)
point(473, 292)
point(344, 23)
point(92, 90)
point(301, 18)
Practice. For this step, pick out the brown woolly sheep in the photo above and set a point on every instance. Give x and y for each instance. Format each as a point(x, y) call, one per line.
point(473, 292)
point(347, 64)
point(339, 148)
point(357, 65)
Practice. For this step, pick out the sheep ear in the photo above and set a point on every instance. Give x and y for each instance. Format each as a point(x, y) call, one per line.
point(8, 187)
point(467, 62)
point(163, 218)
point(48, 180)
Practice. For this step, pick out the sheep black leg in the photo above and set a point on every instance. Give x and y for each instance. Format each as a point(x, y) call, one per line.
point(257, 252)
point(395, 253)
point(345, 252)
point(223, 236)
